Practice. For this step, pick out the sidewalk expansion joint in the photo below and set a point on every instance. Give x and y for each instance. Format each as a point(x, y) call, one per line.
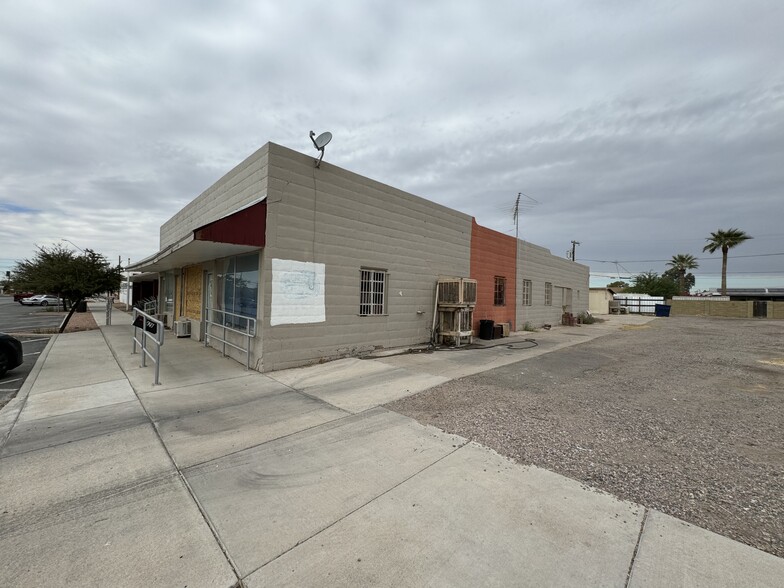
point(357, 509)
point(185, 483)
point(636, 547)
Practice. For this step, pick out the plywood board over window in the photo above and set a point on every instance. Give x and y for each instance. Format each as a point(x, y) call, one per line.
point(193, 284)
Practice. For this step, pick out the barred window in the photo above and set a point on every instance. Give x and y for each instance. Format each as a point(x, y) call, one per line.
point(548, 294)
point(372, 286)
point(499, 294)
point(527, 287)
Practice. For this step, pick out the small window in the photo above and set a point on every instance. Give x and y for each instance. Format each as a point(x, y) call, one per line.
point(499, 295)
point(372, 286)
point(527, 286)
point(548, 294)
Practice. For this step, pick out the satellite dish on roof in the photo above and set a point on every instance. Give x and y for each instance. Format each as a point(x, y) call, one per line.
point(319, 143)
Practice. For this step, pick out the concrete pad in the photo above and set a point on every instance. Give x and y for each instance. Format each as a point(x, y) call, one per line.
point(355, 385)
point(265, 500)
point(98, 466)
point(450, 364)
point(149, 535)
point(73, 426)
point(340, 370)
point(174, 402)
point(200, 423)
point(675, 553)
point(119, 317)
point(472, 519)
point(57, 402)
point(183, 362)
point(66, 366)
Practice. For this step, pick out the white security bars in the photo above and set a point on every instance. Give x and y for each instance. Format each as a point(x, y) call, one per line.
point(230, 322)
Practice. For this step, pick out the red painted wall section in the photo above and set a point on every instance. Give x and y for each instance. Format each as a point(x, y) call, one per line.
point(493, 254)
point(245, 227)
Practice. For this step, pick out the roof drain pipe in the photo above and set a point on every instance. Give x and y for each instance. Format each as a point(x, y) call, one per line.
point(435, 314)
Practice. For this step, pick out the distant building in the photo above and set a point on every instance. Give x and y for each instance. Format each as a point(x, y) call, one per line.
point(599, 299)
point(298, 264)
point(755, 293)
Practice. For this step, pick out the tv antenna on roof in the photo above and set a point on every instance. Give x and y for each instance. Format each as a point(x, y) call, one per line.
point(319, 143)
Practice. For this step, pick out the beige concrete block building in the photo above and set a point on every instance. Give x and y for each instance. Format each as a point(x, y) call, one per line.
point(296, 264)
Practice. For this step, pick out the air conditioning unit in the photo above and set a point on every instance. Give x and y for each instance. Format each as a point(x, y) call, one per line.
point(182, 328)
point(456, 291)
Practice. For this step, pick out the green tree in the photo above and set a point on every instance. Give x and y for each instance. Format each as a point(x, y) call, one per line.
point(617, 284)
point(725, 240)
point(653, 284)
point(57, 270)
point(688, 280)
point(680, 264)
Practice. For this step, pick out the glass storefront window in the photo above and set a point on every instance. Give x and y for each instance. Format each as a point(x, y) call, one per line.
point(238, 285)
point(168, 293)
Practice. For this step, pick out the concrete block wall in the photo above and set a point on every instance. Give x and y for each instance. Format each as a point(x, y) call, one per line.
point(696, 307)
point(723, 308)
point(537, 264)
point(348, 222)
point(776, 309)
point(242, 185)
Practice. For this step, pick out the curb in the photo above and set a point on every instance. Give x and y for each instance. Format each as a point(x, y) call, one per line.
point(18, 403)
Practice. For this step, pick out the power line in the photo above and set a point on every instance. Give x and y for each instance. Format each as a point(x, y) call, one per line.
point(666, 260)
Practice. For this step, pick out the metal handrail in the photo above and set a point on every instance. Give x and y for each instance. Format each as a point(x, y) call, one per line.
point(249, 332)
point(151, 306)
point(151, 330)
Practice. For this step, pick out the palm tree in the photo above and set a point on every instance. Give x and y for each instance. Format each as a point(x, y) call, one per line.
point(725, 240)
point(681, 263)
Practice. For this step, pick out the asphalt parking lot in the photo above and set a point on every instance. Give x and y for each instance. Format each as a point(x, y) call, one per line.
point(16, 319)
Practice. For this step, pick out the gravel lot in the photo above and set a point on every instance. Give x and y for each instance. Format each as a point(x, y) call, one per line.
point(684, 415)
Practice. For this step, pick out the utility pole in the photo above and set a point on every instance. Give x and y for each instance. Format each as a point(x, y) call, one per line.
point(517, 214)
point(574, 245)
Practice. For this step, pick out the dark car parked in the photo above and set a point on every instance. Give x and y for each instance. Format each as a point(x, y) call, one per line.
point(10, 353)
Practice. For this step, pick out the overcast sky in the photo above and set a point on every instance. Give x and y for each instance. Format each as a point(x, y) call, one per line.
point(639, 127)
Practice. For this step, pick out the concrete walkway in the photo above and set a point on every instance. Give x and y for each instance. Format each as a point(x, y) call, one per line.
point(302, 478)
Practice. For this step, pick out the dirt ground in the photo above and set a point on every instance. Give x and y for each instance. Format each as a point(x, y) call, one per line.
point(684, 415)
point(81, 321)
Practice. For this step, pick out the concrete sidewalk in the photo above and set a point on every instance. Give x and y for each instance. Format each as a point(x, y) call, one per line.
point(301, 477)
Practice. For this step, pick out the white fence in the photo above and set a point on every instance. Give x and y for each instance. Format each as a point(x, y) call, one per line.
point(639, 304)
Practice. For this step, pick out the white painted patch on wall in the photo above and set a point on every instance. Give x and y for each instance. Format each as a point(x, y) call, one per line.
point(297, 292)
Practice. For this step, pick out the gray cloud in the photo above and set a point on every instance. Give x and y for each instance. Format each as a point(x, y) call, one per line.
point(639, 128)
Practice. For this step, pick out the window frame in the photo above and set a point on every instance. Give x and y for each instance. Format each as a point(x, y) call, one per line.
point(548, 293)
point(499, 291)
point(373, 287)
point(528, 288)
point(228, 274)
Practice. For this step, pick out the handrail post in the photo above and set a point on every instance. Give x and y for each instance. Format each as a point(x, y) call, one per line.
point(247, 343)
point(157, 338)
point(157, 381)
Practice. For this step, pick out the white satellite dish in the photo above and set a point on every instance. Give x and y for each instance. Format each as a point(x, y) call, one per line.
point(322, 140)
point(319, 143)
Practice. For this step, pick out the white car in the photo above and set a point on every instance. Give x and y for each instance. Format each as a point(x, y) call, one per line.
point(41, 300)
